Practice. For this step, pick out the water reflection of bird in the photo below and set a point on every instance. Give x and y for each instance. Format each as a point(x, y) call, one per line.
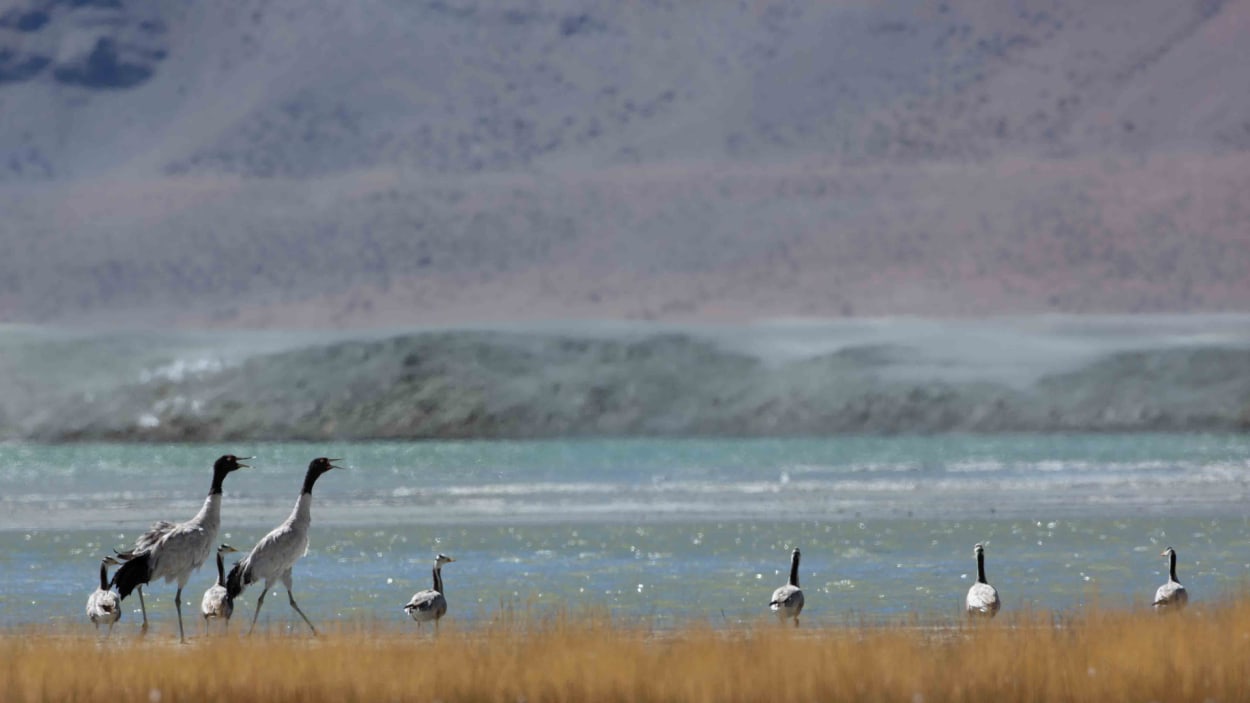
point(788, 600)
point(172, 551)
point(982, 597)
point(103, 605)
point(1171, 595)
point(276, 553)
point(430, 604)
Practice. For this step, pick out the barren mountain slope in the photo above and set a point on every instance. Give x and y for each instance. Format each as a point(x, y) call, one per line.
point(387, 162)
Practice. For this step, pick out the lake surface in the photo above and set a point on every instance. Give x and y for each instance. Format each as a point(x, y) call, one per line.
point(657, 531)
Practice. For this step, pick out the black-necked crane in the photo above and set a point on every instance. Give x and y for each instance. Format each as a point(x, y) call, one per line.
point(103, 605)
point(274, 555)
point(215, 605)
point(430, 604)
point(172, 551)
point(1171, 595)
point(787, 600)
point(982, 597)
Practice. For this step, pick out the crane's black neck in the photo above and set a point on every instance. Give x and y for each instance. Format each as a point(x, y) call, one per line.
point(221, 570)
point(438, 577)
point(219, 475)
point(104, 575)
point(221, 468)
point(794, 569)
point(310, 478)
point(981, 567)
point(1172, 566)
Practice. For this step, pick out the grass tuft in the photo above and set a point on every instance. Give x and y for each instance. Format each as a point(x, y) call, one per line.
point(1201, 654)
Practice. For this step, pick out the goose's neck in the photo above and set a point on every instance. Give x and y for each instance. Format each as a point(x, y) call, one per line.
point(104, 576)
point(438, 578)
point(794, 571)
point(981, 567)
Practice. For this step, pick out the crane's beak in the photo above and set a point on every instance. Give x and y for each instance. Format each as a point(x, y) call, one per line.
point(332, 464)
point(241, 464)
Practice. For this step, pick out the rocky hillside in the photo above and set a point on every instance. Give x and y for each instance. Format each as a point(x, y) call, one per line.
point(386, 162)
point(1022, 375)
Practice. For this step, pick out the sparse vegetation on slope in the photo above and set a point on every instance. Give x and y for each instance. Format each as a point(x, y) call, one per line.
point(388, 163)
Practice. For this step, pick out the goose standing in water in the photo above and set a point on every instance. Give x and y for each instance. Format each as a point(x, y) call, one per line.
point(215, 603)
point(103, 605)
point(788, 600)
point(982, 597)
point(172, 551)
point(276, 553)
point(1171, 595)
point(430, 604)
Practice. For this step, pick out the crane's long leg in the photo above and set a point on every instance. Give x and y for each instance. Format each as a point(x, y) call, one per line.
point(178, 606)
point(144, 608)
point(259, 602)
point(301, 613)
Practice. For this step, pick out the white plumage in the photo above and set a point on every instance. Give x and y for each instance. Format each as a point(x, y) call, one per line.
point(1171, 595)
point(982, 597)
point(274, 555)
point(172, 551)
point(103, 605)
point(430, 604)
point(787, 600)
point(215, 604)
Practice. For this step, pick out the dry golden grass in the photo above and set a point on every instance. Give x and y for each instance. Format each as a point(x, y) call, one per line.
point(1202, 654)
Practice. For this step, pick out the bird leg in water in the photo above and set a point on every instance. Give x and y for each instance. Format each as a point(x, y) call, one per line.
point(178, 606)
point(259, 602)
point(301, 613)
point(144, 609)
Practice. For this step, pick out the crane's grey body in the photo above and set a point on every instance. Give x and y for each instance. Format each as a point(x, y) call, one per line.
point(276, 553)
point(982, 598)
point(172, 551)
point(787, 600)
point(1171, 595)
point(430, 604)
point(183, 548)
point(215, 605)
point(103, 605)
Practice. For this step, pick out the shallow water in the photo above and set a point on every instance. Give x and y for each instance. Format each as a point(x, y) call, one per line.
point(661, 531)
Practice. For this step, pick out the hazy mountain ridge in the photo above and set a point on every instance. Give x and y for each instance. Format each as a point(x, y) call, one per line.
point(385, 162)
point(783, 380)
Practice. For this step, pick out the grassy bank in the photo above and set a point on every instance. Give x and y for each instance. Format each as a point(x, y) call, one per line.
point(1202, 654)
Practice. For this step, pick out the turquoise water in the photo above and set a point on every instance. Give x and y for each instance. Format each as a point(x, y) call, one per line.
point(662, 531)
